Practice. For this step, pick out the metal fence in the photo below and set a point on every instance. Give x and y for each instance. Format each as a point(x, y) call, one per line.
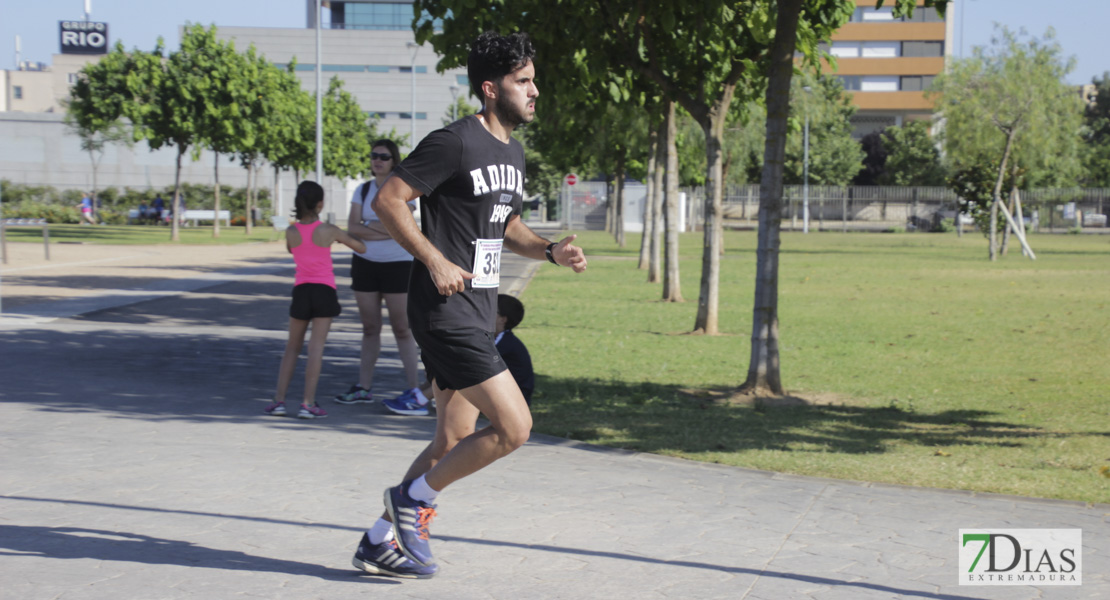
point(833, 208)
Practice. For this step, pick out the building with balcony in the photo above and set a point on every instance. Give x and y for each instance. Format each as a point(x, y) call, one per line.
point(887, 63)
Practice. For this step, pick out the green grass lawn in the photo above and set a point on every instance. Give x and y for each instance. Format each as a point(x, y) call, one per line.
point(140, 234)
point(931, 365)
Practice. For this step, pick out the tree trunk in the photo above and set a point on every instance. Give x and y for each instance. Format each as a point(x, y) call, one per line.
point(671, 290)
point(708, 297)
point(996, 197)
point(649, 199)
point(657, 208)
point(1012, 199)
point(1020, 217)
point(277, 184)
point(609, 205)
point(618, 208)
point(250, 175)
point(216, 202)
point(764, 369)
point(175, 202)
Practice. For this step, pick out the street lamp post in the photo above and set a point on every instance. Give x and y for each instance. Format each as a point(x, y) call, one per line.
point(454, 103)
point(319, 105)
point(412, 115)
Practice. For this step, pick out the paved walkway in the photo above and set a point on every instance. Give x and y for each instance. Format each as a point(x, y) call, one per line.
point(138, 465)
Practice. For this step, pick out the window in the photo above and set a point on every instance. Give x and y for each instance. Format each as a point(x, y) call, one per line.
point(923, 49)
point(881, 49)
point(850, 82)
point(845, 49)
point(17, 92)
point(922, 14)
point(876, 83)
point(916, 83)
point(71, 78)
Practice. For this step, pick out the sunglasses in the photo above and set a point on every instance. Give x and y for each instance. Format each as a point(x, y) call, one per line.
point(376, 156)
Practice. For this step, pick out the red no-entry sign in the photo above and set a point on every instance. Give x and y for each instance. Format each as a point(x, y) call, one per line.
point(571, 179)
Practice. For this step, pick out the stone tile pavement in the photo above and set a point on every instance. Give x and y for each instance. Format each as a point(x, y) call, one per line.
point(138, 465)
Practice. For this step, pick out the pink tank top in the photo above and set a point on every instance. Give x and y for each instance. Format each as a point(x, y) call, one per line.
point(313, 262)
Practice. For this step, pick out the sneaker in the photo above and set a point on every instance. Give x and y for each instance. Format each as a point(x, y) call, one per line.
point(411, 403)
point(410, 523)
point(386, 559)
point(277, 409)
point(311, 412)
point(356, 395)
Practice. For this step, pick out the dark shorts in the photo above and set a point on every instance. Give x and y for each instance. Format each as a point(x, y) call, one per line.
point(314, 301)
point(459, 358)
point(384, 277)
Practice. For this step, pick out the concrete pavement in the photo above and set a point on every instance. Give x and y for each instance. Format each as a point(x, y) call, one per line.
point(139, 465)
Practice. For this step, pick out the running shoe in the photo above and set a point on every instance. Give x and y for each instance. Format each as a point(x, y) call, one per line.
point(386, 559)
point(410, 523)
point(356, 395)
point(311, 412)
point(412, 403)
point(277, 409)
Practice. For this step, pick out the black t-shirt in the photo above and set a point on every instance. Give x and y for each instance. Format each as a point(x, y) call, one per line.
point(472, 183)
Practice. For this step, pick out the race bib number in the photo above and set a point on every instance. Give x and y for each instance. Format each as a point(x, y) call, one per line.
point(487, 264)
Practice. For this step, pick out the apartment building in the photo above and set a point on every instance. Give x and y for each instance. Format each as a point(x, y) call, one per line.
point(887, 63)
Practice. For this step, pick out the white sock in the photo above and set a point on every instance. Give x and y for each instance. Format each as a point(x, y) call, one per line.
point(380, 532)
point(420, 491)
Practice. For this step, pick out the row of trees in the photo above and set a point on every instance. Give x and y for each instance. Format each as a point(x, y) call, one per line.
point(206, 95)
point(632, 66)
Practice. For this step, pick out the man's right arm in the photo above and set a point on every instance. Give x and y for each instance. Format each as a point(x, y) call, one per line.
point(391, 206)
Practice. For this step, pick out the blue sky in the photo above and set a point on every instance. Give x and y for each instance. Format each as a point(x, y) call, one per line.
point(1076, 23)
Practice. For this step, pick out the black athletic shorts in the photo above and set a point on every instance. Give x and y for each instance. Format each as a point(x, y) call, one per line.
point(459, 358)
point(384, 277)
point(314, 300)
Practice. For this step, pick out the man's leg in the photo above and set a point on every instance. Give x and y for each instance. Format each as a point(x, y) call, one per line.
point(410, 505)
point(500, 400)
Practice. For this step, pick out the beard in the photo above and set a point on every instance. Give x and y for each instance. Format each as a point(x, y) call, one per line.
point(511, 114)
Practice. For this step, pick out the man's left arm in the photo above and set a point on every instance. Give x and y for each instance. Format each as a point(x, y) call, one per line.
point(522, 240)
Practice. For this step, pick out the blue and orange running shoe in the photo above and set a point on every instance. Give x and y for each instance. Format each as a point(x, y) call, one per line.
point(386, 559)
point(410, 523)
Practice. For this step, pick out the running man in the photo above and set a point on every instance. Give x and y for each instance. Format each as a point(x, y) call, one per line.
point(470, 178)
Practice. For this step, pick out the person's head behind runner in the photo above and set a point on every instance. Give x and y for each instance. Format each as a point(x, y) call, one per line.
point(309, 197)
point(379, 164)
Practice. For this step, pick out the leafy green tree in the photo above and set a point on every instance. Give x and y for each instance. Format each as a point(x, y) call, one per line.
point(346, 154)
point(225, 123)
point(874, 159)
point(94, 111)
point(912, 156)
point(764, 368)
point(834, 157)
point(1096, 135)
point(1010, 106)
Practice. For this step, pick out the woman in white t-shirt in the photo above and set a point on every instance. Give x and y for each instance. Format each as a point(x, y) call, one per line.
point(381, 273)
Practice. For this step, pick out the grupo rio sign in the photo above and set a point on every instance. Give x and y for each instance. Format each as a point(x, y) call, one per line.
point(83, 37)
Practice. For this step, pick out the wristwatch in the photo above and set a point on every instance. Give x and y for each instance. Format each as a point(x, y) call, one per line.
point(549, 254)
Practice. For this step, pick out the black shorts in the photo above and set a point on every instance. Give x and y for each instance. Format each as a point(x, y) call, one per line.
point(384, 277)
point(459, 358)
point(314, 301)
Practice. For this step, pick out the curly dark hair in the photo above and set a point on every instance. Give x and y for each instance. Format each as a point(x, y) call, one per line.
point(493, 56)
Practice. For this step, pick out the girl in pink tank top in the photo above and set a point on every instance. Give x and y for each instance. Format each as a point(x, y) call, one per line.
point(314, 298)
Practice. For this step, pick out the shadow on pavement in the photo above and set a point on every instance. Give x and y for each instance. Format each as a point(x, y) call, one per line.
point(69, 542)
point(190, 374)
point(96, 544)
